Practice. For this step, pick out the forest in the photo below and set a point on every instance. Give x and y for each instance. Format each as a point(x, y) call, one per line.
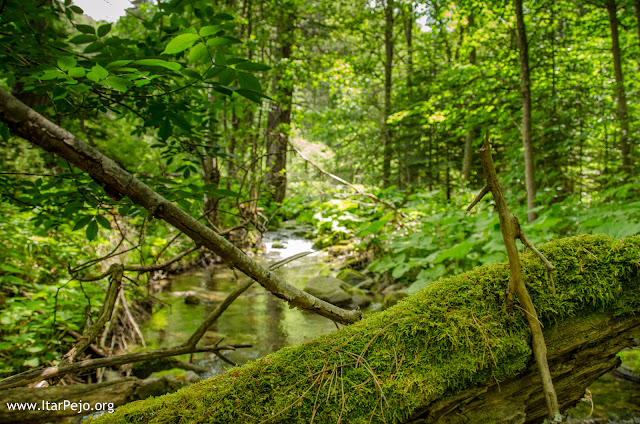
point(369, 164)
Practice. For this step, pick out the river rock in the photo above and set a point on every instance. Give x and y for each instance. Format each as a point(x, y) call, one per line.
point(330, 290)
point(366, 284)
point(360, 298)
point(277, 245)
point(192, 299)
point(351, 276)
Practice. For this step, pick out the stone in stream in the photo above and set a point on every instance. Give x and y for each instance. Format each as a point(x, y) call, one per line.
point(277, 245)
point(330, 290)
point(351, 276)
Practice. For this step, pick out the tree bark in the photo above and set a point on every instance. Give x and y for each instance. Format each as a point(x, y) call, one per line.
point(471, 134)
point(279, 117)
point(636, 5)
point(525, 95)
point(621, 95)
point(388, 70)
point(28, 124)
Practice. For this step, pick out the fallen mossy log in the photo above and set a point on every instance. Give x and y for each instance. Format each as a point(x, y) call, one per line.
point(447, 351)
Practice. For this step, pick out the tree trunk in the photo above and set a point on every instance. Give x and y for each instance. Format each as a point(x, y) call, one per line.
point(621, 95)
point(636, 4)
point(210, 172)
point(279, 117)
point(388, 69)
point(525, 95)
point(471, 134)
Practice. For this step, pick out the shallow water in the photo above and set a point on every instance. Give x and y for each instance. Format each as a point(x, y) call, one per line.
point(260, 319)
point(256, 317)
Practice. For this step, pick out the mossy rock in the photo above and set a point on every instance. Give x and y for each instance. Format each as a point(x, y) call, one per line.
point(351, 276)
point(329, 289)
point(453, 336)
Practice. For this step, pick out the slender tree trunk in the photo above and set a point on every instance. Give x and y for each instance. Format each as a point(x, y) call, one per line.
point(210, 173)
point(471, 134)
point(408, 35)
point(623, 118)
point(279, 117)
point(636, 4)
point(388, 68)
point(525, 95)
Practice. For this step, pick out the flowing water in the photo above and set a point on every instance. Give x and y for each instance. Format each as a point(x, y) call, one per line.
point(260, 319)
point(256, 317)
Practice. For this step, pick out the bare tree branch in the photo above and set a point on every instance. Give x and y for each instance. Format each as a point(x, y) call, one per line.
point(28, 124)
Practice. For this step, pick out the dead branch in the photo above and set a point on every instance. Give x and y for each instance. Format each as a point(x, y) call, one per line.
point(33, 127)
point(348, 184)
point(115, 282)
point(511, 230)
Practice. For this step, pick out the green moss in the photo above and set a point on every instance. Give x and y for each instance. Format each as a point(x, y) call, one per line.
point(452, 335)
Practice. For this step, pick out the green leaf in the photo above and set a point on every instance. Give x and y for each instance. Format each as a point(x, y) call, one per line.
point(104, 222)
point(83, 39)
point(191, 73)
point(400, 270)
point(94, 47)
point(249, 81)
point(227, 76)
point(77, 72)
point(221, 41)
point(197, 53)
point(165, 130)
point(159, 62)
point(117, 64)
point(180, 43)
point(92, 230)
point(76, 9)
point(116, 83)
point(87, 29)
point(252, 66)
point(223, 17)
point(33, 362)
point(373, 228)
point(456, 252)
point(66, 62)
point(99, 72)
point(93, 77)
point(104, 30)
point(207, 31)
point(82, 222)
point(254, 96)
point(225, 193)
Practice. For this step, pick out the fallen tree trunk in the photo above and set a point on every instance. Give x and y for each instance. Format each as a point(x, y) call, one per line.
point(450, 353)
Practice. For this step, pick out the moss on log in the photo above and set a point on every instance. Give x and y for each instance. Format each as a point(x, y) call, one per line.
point(437, 355)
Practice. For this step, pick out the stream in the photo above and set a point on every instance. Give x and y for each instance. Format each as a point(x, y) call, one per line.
point(261, 319)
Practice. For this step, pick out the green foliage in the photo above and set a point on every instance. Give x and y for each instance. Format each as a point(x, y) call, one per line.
point(39, 303)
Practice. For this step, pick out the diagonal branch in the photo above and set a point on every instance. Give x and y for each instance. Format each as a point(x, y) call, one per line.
point(511, 230)
point(33, 127)
point(348, 184)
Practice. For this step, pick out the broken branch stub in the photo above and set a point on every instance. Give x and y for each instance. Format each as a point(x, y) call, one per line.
point(511, 230)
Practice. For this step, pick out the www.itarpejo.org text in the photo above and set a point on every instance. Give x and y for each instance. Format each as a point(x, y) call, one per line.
point(79, 407)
